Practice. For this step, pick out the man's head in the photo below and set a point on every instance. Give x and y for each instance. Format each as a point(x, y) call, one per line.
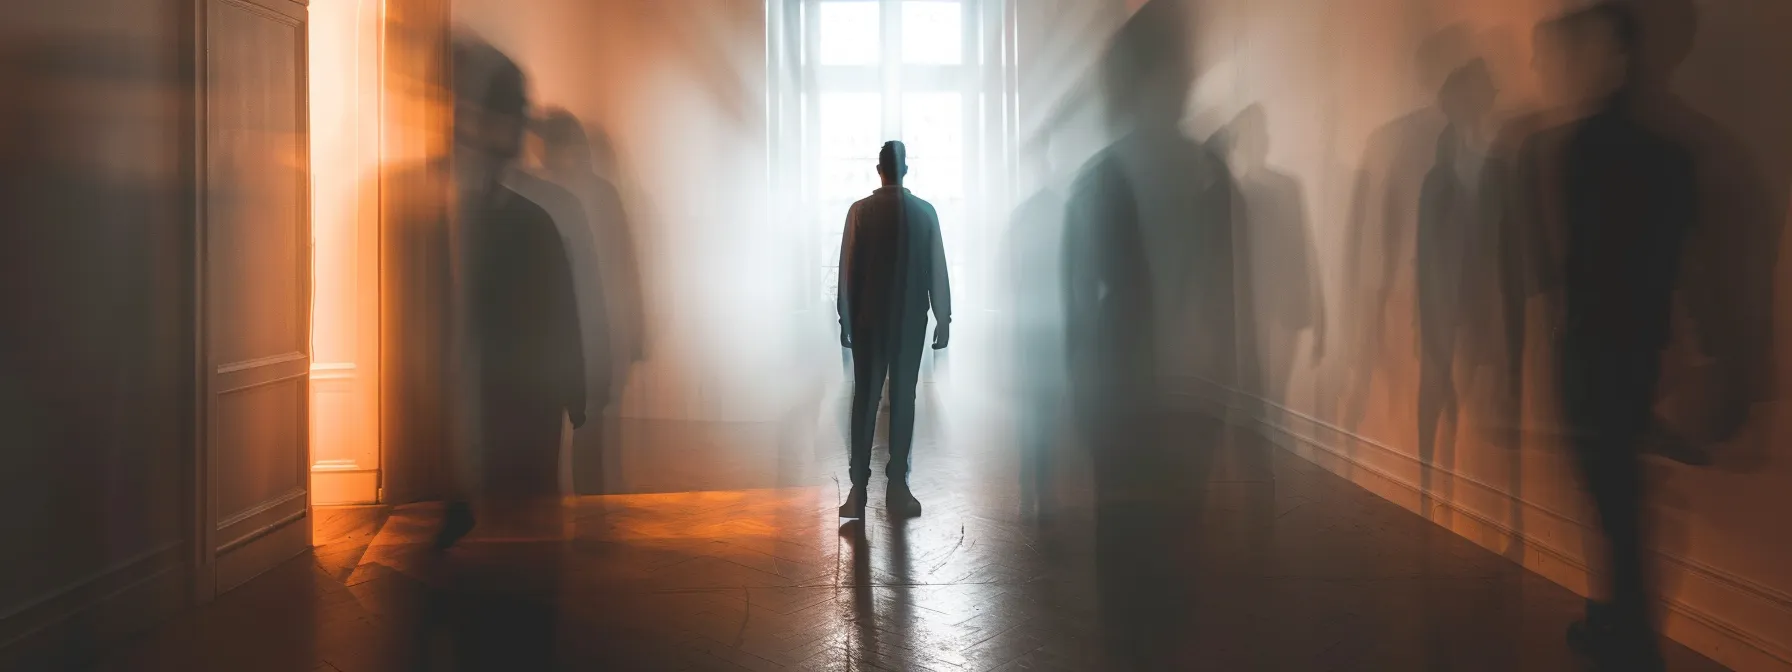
point(490, 103)
point(1599, 50)
point(564, 147)
point(1468, 94)
point(1147, 71)
point(892, 162)
point(1245, 140)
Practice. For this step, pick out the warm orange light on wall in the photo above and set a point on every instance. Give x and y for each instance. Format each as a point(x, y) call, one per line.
point(345, 154)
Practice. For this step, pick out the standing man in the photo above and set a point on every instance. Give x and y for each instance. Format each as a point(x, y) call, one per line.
point(519, 368)
point(892, 269)
point(1627, 199)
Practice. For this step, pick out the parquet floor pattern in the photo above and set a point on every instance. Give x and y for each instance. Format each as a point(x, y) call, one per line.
point(1281, 567)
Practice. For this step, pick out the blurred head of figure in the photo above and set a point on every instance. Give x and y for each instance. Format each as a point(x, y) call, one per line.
point(564, 146)
point(1664, 31)
point(892, 162)
point(1244, 141)
point(490, 104)
point(1599, 49)
point(1468, 94)
point(1147, 72)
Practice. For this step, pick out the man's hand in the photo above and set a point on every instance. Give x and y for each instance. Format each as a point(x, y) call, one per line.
point(942, 334)
point(845, 339)
point(577, 418)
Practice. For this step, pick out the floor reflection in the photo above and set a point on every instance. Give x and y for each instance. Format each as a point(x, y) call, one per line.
point(1273, 564)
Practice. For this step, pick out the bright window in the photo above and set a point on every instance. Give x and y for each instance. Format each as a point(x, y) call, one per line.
point(888, 69)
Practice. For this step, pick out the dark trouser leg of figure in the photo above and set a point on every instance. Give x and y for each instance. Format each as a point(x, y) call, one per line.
point(1609, 405)
point(905, 375)
point(1035, 436)
point(869, 368)
point(1134, 561)
point(457, 521)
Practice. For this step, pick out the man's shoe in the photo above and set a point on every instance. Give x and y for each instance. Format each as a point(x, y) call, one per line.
point(855, 503)
point(455, 524)
point(901, 501)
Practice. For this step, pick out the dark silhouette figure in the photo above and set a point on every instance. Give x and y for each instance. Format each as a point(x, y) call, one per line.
point(1453, 237)
point(1628, 198)
point(1034, 248)
point(1282, 261)
point(574, 196)
point(521, 353)
point(892, 270)
point(1384, 207)
point(1150, 301)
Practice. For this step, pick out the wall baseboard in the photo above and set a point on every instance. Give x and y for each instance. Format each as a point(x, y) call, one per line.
point(69, 626)
point(1542, 543)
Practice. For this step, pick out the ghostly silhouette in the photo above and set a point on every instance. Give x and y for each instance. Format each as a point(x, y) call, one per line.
point(1384, 207)
point(585, 163)
point(1455, 234)
point(1626, 197)
point(1281, 259)
point(892, 270)
point(1149, 297)
point(562, 141)
point(518, 353)
point(1034, 247)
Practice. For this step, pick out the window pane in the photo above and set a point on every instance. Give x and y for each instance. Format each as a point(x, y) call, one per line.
point(849, 33)
point(850, 127)
point(933, 129)
point(932, 32)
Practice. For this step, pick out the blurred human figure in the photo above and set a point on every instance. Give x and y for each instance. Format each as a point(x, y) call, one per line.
point(1282, 261)
point(1626, 199)
point(585, 165)
point(892, 270)
point(579, 234)
point(1033, 247)
point(518, 349)
point(1150, 304)
point(1454, 235)
point(1384, 207)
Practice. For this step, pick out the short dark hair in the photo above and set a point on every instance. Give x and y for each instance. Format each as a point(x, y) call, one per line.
point(487, 78)
point(893, 158)
point(560, 130)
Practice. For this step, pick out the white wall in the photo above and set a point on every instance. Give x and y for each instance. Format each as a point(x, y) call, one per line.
point(96, 352)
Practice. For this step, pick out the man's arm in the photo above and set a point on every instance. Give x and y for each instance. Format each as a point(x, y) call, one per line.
point(843, 284)
point(939, 288)
point(563, 324)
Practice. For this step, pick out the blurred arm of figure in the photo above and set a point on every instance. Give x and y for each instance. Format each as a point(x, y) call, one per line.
point(563, 307)
point(843, 285)
point(939, 289)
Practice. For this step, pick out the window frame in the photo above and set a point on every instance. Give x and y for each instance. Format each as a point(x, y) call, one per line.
point(983, 81)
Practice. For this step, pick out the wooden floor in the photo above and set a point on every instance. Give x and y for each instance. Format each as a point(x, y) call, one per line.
point(1283, 567)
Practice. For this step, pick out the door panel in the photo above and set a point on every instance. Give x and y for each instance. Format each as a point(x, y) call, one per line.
point(257, 279)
